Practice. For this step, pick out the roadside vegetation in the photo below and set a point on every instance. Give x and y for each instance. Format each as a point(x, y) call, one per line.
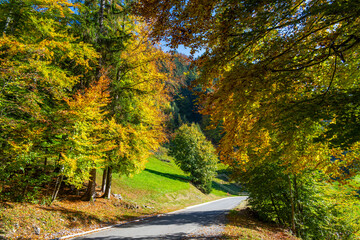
point(244, 224)
point(161, 187)
point(195, 155)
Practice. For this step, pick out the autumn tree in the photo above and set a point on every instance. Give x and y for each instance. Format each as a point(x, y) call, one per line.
point(87, 140)
point(283, 71)
point(40, 62)
point(81, 89)
point(271, 66)
point(106, 26)
point(139, 95)
point(274, 64)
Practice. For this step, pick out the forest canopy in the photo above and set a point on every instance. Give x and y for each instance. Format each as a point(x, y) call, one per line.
point(280, 66)
point(282, 79)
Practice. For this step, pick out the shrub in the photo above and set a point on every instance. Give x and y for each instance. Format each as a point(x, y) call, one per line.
point(195, 155)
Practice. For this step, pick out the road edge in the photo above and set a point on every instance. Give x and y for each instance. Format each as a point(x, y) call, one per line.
point(139, 219)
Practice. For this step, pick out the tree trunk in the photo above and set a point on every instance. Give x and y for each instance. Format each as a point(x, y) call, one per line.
point(8, 20)
point(103, 185)
point(57, 187)
point(90, 192)
point(101, 15)
point(59, 180)
point(107, 193)
point(293, 229)
point(57, 165)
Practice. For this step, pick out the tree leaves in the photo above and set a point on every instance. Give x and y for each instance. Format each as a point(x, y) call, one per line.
point(74, 92)
point(195, 155)
point(283, 77)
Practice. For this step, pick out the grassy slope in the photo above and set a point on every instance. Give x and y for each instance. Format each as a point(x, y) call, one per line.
point(162, 181)
point(161, 187)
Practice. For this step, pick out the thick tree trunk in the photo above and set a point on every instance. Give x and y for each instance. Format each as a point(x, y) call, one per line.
point(107, 193)
point(103, 185)
point(90, 192)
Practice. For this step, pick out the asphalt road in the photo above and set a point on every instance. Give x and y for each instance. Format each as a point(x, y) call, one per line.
point(174, 225)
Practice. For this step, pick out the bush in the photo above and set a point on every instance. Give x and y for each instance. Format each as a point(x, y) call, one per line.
point(195, 155)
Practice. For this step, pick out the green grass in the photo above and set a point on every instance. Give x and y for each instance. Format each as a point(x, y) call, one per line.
point(163, 184)
point(157, 186)
point(161, 177)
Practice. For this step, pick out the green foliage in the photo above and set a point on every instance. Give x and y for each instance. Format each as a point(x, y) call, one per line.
point(184, 107)
point(186, 99)
point(41, 61)
point(195, 155)
point(80, 89)
point(285, 88)
point(321, 209)
point(291, 180)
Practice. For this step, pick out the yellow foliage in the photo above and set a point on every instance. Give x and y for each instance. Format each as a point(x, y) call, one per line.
point(137, 125)
point(88, 140)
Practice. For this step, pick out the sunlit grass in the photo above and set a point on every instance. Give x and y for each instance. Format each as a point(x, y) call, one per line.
point(163, 179)
point(163, 183)
point(160, 177)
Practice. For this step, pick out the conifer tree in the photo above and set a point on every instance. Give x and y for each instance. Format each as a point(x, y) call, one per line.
point(138, 98)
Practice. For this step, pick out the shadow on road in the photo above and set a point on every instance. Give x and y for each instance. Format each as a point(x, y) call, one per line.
point(178, 236)
point(203, 218)
point(168, 237)
point(192, 218)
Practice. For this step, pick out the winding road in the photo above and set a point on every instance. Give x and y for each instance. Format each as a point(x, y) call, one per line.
point(175, 225)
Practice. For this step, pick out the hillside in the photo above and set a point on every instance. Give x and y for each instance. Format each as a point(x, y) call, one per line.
point(161, 187)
